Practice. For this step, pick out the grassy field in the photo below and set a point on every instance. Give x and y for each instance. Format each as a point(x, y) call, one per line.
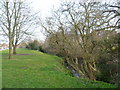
point(33, 69)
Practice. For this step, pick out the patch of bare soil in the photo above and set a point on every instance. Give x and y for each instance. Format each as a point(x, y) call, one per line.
point(22, 54)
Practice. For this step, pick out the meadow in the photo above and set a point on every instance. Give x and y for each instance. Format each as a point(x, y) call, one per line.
point(33, 69)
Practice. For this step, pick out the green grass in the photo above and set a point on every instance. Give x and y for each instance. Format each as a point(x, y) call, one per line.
point(39, 70)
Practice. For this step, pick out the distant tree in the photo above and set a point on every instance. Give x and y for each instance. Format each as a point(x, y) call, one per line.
point(34, 45)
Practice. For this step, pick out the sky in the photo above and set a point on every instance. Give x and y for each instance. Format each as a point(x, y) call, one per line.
point(44, 6)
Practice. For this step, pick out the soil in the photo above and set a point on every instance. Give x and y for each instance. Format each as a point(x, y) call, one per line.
point(22, 54)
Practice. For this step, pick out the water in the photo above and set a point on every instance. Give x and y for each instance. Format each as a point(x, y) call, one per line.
point(73, 71)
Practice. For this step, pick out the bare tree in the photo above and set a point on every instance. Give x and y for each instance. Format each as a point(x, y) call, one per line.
point(114, 10)
point(6, 24)
point(72, 28)
point(17, 22)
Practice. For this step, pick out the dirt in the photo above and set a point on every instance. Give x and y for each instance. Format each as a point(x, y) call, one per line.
point(22, 54)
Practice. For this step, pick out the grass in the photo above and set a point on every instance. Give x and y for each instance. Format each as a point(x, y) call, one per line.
point(33, 69)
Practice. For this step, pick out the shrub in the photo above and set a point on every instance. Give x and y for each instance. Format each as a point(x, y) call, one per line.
point(108, 60)
point(35, 45)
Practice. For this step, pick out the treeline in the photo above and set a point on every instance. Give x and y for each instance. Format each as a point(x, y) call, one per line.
point(86, 36)
point(105, 52)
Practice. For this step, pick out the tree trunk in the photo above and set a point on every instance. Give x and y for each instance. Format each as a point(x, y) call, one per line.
point(9, 29)
point(91, 72)
point(10, 48)
point(14, 49)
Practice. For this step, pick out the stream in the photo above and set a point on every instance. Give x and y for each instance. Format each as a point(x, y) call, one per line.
point(72, 70)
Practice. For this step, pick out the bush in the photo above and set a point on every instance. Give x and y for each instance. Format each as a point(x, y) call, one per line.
point(108, 72)
point(41, 49)
point(35, 45)
point(108, 61)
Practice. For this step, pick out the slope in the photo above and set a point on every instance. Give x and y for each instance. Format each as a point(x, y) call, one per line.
point(33, 69)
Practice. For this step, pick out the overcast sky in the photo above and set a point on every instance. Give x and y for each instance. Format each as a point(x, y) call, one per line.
point(44, 6)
